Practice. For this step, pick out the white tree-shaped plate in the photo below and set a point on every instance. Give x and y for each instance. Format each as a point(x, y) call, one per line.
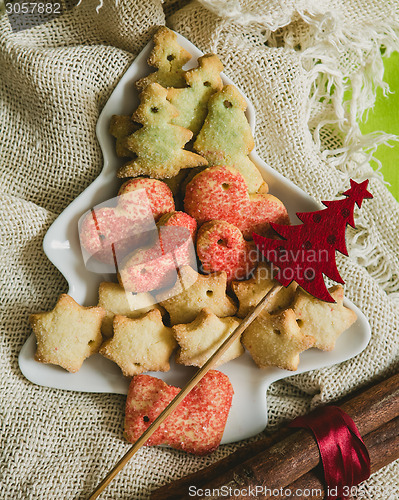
point(248, 415)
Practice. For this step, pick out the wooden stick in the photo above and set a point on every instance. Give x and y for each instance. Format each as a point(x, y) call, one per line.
point(383, 447)
point(277, 464)
point(183, 393)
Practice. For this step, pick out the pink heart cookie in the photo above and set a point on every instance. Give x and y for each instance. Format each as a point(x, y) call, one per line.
point(220, 193)
point(222, 247)
point(197, 424)
point(109, 233)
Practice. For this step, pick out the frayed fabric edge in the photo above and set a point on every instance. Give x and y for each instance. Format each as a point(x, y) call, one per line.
point(353, 158)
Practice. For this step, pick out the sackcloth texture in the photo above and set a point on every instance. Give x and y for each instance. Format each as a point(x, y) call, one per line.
point(311, 69)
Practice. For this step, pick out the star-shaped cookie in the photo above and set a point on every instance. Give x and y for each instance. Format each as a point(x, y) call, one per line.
point(140, 345)
point(192, 292)
point(115, 300)
point(324, 320)
point(68, 334)
point(250, 292)
point(199, 339)
point(276, 340)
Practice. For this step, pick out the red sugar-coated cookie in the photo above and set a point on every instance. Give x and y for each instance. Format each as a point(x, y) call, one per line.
point(197, 424)
point(110, 233)
point(156, 266)
point(220, 193)
point(159, 196)
point(180, 219)
point(222, 247)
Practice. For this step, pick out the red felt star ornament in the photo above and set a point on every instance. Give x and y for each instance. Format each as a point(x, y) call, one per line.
point(307, 251)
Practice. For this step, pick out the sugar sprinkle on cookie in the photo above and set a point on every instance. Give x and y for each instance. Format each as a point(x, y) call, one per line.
point(192, 101)
point(141, 344)
point(115, 300)
point(192, 292)
point(159, 144)
point(324, 320)
point(196, 425)
point(199, 339)
point(276, 340)
point(226, 137)
point(220, 193)
point(222, 247)
point(68, 334)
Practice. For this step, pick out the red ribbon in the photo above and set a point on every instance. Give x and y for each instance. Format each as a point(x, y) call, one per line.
point(344, 455)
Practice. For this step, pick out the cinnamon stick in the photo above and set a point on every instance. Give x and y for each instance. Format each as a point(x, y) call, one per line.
point(383, 447)
point(293, 455)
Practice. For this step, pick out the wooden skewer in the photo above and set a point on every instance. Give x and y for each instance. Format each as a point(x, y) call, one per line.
point(183, 393)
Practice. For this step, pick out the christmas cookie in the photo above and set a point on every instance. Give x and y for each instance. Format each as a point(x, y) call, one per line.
point(157, 196)
point(192, 292)
point(179, 219)
point(251, 292)
point(68, 334)
point(159, 144)
point(189, 177)
point(220, 193)
point(226, 138)
point(325, 321)
point(276, 340)
point(156, 266)
point(199, 339)
point(109, 233)
point(115, 300)
point(192, 101)
point(140, 345)
point(168, 57)
point(196, 425)
point(221, 247)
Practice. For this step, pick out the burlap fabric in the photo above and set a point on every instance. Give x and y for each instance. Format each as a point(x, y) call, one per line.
point(310, 69)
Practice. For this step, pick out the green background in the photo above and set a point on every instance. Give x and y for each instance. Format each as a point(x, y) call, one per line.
point(385, 117)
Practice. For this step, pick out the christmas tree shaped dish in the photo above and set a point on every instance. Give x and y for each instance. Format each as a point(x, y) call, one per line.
point(248, 414)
